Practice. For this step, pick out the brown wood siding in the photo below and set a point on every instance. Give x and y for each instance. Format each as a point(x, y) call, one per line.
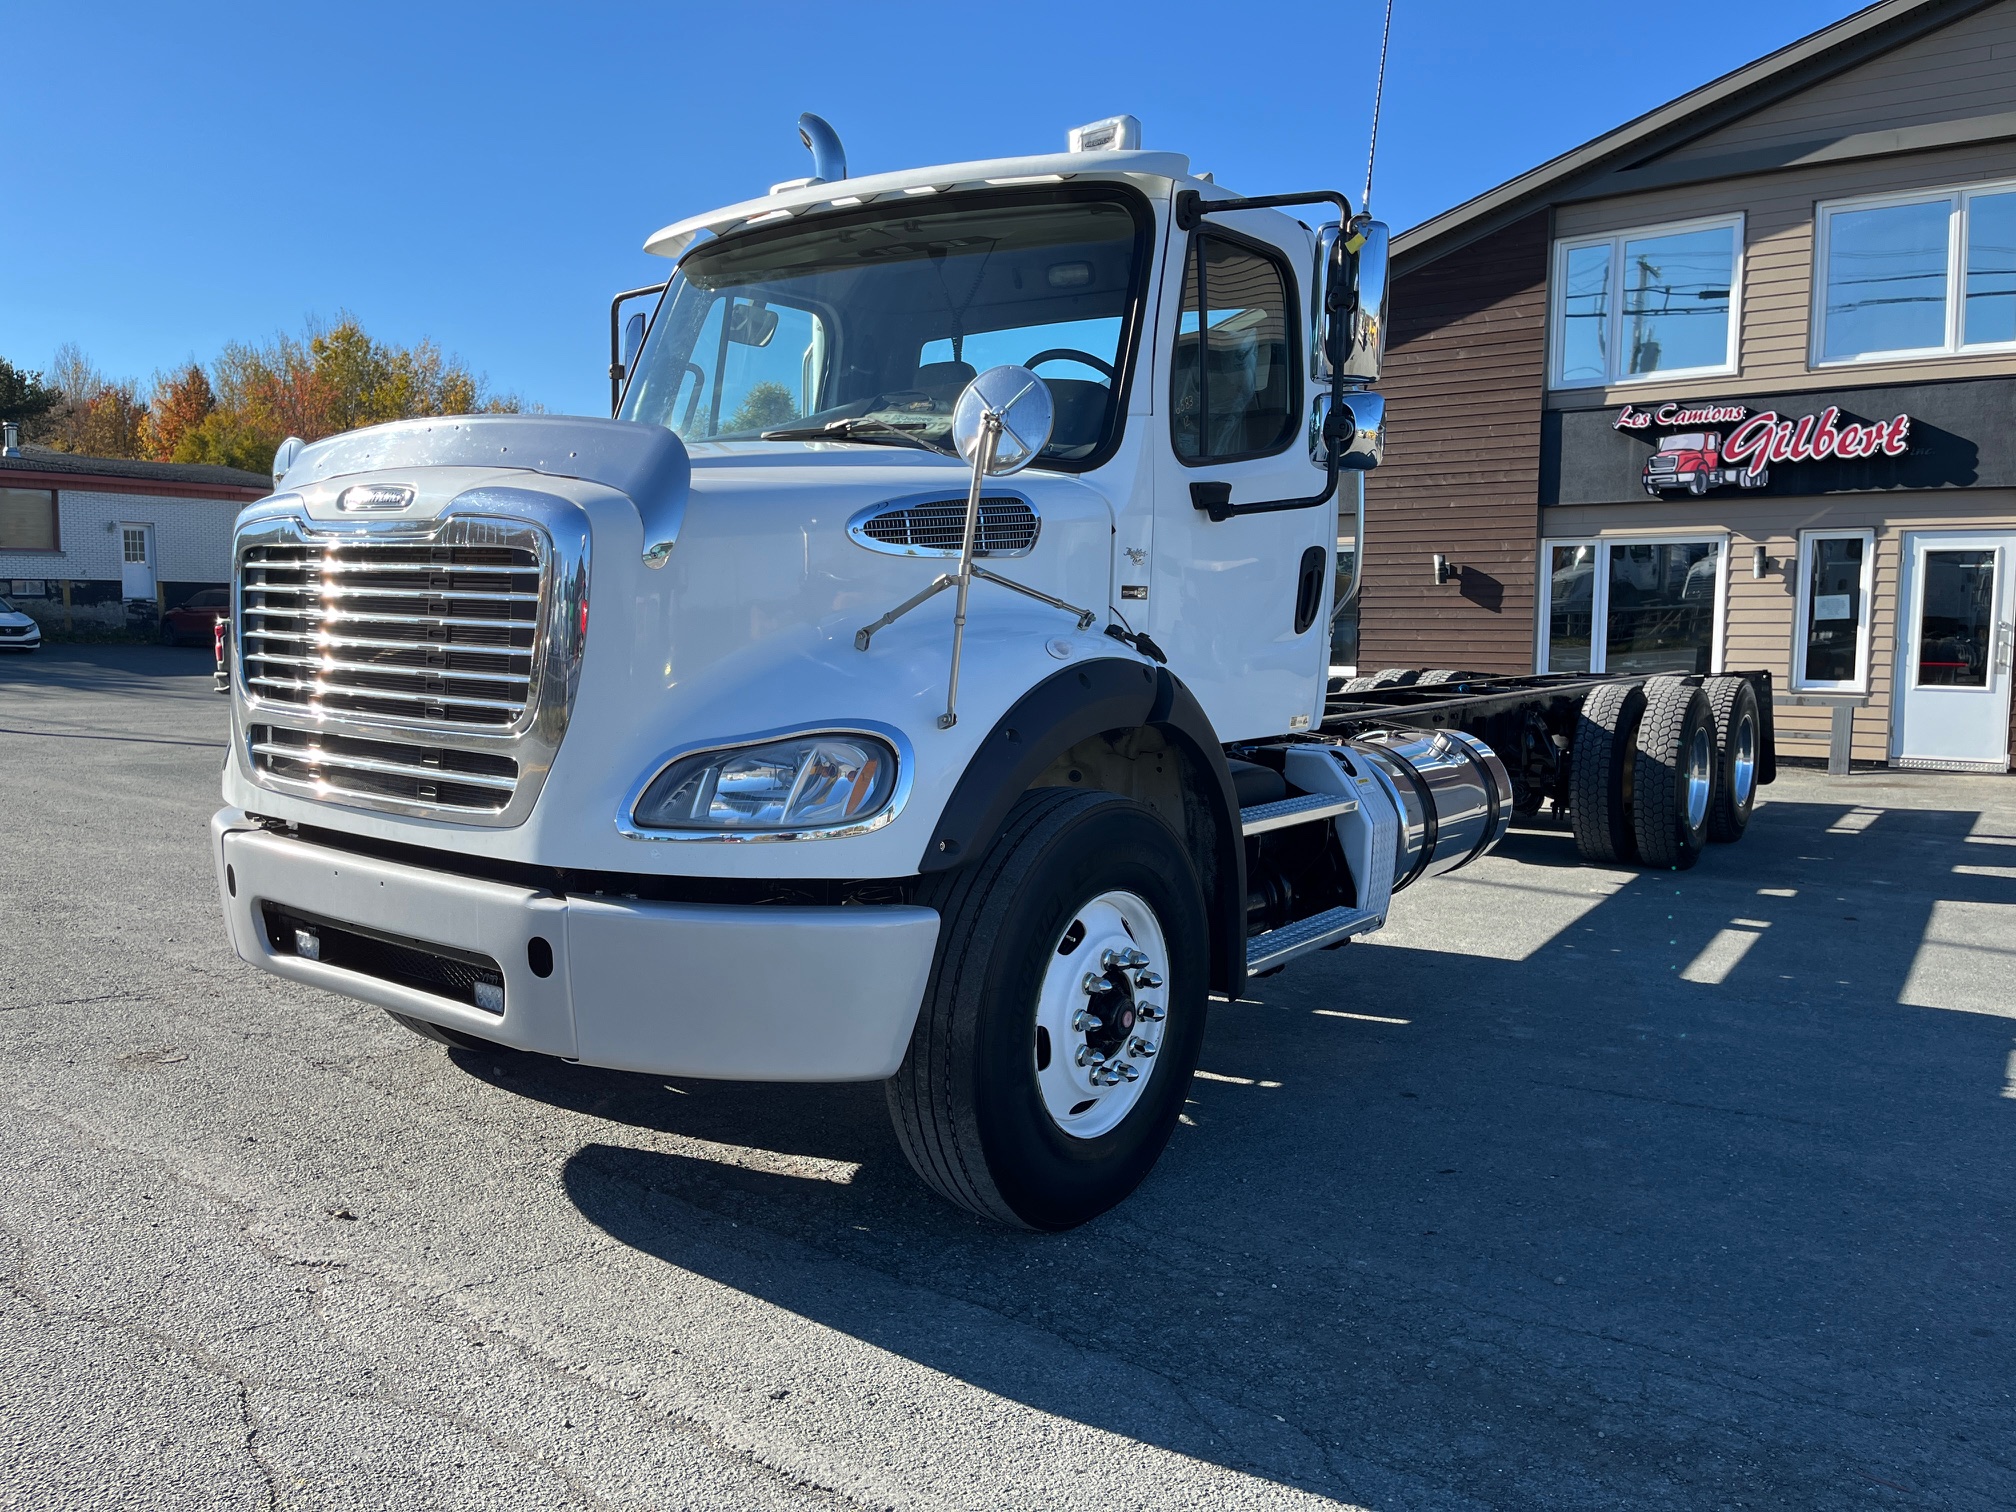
point(1464, 384)
point(1958, 71)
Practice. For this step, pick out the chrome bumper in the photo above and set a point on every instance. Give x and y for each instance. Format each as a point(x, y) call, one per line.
point(742, 992)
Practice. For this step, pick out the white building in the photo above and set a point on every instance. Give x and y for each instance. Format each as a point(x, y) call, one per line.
point(92, 540)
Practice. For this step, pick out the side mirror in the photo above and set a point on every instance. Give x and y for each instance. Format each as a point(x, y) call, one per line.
point(633, 338)
point(1350, 319)
point(1358, 430)
point(751, 325)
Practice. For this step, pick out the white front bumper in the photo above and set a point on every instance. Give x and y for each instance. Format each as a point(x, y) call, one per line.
point(743, 992)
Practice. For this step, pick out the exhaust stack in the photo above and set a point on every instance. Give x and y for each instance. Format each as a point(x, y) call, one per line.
point(829, 158)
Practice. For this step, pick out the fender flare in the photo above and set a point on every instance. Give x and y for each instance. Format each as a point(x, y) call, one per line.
point(1109, 693)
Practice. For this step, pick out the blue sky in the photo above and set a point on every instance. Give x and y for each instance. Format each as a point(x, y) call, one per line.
point(175, 177)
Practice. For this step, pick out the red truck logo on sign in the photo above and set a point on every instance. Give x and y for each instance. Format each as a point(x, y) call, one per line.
point(1698, 460)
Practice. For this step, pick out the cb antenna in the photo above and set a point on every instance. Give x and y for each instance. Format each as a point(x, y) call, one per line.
point(1378, 98)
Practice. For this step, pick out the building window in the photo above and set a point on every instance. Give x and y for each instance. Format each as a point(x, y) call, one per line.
point(1831, 633)
point(1632, 606)
point(1922, 275)
point(134, 543)
point(28, 519)
point(1241, 400)
point(1656, 303)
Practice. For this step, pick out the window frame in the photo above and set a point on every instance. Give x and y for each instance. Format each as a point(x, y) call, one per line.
point(1557, 313)
point(1801, 609)
point(55, 522)
point(1292, 309)
point(1959, 197)
point(1599, 596)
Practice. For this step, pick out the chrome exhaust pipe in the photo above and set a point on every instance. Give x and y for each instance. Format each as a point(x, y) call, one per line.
point(829, 158)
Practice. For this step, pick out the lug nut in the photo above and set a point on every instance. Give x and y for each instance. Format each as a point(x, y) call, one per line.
point(1085, 1021)
point(1148, 979)
point(1111, 958)
point(1135, 957)
point(1128, 1071)
point(1094, 983)
point(1149, 1012)
point(1087, 1056)
point(1140, 1047)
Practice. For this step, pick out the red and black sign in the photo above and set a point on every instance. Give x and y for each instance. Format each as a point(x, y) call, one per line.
point(1927, 436)
point(1698, 460)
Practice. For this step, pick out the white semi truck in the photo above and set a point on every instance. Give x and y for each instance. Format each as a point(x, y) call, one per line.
point(924, 677)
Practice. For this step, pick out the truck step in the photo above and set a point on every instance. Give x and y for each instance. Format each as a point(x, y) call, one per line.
point(1277, 947)
point(1307, 809)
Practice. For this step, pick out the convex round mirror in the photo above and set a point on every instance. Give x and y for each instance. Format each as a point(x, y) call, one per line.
point(1026, 410)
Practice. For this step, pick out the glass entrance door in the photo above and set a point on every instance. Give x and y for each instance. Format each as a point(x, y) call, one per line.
point(1953, 659)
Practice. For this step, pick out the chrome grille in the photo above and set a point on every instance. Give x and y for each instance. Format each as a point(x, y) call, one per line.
point(344, 766)
point(1008, 527)
point(442, 634)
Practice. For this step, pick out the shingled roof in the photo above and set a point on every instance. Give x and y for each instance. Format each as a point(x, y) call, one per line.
point(45, 461)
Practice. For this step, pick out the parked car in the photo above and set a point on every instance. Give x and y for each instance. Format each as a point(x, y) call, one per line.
point(194, 622)
point(17, 631)
point(220, 641)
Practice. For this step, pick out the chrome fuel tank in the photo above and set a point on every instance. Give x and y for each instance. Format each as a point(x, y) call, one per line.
point(1455, 797)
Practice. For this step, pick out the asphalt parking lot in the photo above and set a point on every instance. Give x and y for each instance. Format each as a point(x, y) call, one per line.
point(1576, 1188)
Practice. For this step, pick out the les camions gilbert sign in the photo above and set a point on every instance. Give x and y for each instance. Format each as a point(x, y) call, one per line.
point(1706, 446)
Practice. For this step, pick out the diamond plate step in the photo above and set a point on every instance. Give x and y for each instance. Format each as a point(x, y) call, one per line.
point(1307, 809)
point(1277, 947)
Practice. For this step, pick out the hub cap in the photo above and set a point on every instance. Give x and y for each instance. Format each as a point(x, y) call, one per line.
point(1100, 1014)
point(1700, 777)
point(1744, 767)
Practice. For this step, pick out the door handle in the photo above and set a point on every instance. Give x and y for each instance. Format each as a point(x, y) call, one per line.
point(2005, 633)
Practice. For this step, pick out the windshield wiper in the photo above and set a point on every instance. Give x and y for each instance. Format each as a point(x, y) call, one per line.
point(861, 428)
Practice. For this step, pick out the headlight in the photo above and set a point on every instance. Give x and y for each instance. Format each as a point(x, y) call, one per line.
point(808, 782)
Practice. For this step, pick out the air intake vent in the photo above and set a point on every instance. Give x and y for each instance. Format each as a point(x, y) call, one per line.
point(936, 527)
point(340, 766)
point(434, 634)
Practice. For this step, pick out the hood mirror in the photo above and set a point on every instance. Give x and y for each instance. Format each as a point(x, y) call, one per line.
point(1007, 413)
point(285, 455)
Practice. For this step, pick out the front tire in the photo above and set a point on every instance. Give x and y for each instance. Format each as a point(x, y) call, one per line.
point(1013, 1100)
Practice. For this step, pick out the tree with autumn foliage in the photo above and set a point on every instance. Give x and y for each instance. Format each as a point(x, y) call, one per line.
point(250, 398)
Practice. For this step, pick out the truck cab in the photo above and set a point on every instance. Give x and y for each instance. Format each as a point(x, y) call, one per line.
point(649, 742)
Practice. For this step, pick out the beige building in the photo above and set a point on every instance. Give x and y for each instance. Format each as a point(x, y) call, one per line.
point(1768, 334)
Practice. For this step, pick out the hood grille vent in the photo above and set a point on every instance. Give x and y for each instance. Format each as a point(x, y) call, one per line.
point(935, 527)
point(433, 634)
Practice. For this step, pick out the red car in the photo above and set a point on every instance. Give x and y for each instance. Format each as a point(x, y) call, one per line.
point(194, 622)
point(221, 649)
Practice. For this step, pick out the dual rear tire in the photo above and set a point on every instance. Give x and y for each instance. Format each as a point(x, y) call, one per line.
point(1660, 770)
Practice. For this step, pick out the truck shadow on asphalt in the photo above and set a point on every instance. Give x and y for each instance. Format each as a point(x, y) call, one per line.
point(1688, 1205)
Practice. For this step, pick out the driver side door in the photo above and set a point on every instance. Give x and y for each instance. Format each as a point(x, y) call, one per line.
point(1222, 595)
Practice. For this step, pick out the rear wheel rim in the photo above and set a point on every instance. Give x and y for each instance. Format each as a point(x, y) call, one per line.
point(1743, 765)
point(1700, 777)
point(1110, 964)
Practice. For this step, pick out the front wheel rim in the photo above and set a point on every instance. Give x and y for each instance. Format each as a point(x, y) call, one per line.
point(1101, 1014)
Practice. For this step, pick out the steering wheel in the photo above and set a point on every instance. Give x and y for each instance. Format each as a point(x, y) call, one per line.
point(1072, 354)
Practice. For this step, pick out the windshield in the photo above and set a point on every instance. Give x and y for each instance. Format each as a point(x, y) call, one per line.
point(7, 608)
point(866, 327)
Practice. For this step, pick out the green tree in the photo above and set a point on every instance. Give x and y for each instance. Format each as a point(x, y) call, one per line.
point(765, 405)
point(23, 395)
